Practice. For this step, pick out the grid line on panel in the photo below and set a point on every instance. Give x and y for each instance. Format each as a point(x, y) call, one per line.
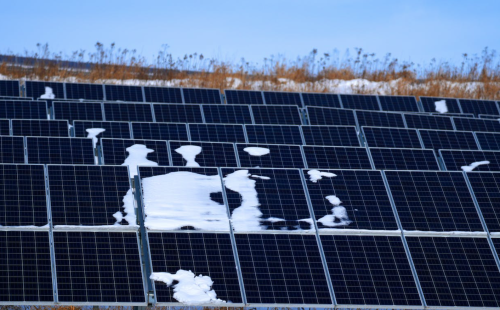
point(273, 134)
point(23, 109)
point(379, 119)
point(278, 156)
point(201, 95)
point(227, 114)
point(454, 160)
point(398, 103)
point(429, 105)
point(159, 131)
point(243, 97)
point(118, 130)
point(444, 139)
point(391, 137)
point(488, 140)
point(9, 89)
point(114, 151)
point(330, 116)
point(163, 94)
point(91, 111)
point(212, 154)
point(486, 189)
point(325, 157)
point(217, 133)
point(178, 113)
point(276, 114)
point(420, 121)
point(5, 127)
point(123, 93)
point(404, 159)
point(138, 112)
point(321, 100)
point(360, 102)
point(84, 91)
point(330, 135)
point(475, 124)
point(11, 150)
point(477, 107)
point(282, 98)
point(40, 128)
point(53, 150)
point(35, 89)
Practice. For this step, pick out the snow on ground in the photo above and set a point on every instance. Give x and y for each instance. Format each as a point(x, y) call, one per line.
point(441, 106)
point(137, 154)
point(315, 175)
point(474, 165)
point(49, 94)
point(256, 151)
point(189, 153)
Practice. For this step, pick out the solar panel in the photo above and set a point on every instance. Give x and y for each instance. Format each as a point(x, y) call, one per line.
point(40, 128)
point(398, 103)
point(85, 111)
point(391, 137)
point(428, 103)
point(9, 88)
point(23, 109)
point(404, 159)
point(178, 113)
point(365, 203)
point(11, 150)
point(488, 140)
point(282, 269)
point(442, 139)
point(84, 91)
point(243, 96)
point(207, 254)
point(330, 135)
point(455, 159)
point(330, 116)
point(37, 89)
point(44, 150)
point(4, 127)
point(114, 151)
point(475, 124)
point(277, 156)
point(201, 95)
point(325, 157)
point(88, 195)
point(159, 131)
point(163, 94)
point(25, 268)
point(138, 112)
point(123, 93)
point(217, 133)
point(380, 119)
point(420, 121)
point(433, 201)
point(456, 271)
point(119, 130)
point(360, 102)
point(211, 154)
point(282, 98)
point(321, 100)
point(370, 270)
point(98, 267)
point(276, 115)
point(486, 188)
point(228, 114)
point(273, 134)
point(485, 116)
point(23, 201)
point(477, 107)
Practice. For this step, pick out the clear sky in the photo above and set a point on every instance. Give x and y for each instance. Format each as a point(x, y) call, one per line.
point(416, 30)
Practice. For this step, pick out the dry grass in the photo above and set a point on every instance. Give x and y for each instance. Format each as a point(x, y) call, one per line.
point(311, 73)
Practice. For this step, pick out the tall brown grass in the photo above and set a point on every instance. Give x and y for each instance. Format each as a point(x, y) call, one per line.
point(309, 73)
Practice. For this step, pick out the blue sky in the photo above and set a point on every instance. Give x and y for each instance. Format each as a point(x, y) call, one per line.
point(411, 30)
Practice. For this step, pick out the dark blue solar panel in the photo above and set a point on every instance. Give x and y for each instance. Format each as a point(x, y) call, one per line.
point(114, 151)
point(159, 131)
point(488, 140)
point(325, 157)
point(212, 154)
point(429, 105)
point(178, 113)
point(243, 96)
point(26, 267)
point(391, 137)
point(404, 159)
point(420, 121)
point(228, 114)
point(279, 115)
point(4, 127)
point(84, 91)
point(76, 151)
point(217, 133)
point(23, 109)
point(40, 128)
point(330, 135)
point(330, 116)
point(380, 119)
point(123, 93)
point(477, 107)
point(433, 201)
point(87, 195)
point(119, 130)
point(37, 89)
point(398, 103)
point(486, 188)
point(278, 156)
point(370, 270)
point(321, 100)
point(11, 150)
point(284, 98)
point(273, 134)
point(201, 95)
point(202, 253)
point(137, 112)
point(98, 267)
point(85, 111)
point(455, 159)
point(363, 197)
point(23, 201)
point(475, 124)
point(9, 88)
point(441, 139)
point(456, 271)
point(163, 94)
point(360, 102)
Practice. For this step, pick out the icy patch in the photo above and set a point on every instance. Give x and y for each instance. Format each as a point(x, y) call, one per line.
point(93, 133)
point(315, 175)
point(338, 218)
point(474, 165)
point(189, 153)
point(49, 93)
point(334, 200)
point(128, 210)
point(257, 151)
point(137, 154)
point(181, 199)
point(260, 177)
point(189, 289)
point(441, 106)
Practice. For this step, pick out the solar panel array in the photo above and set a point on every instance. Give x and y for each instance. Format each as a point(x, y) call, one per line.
point(283, 199)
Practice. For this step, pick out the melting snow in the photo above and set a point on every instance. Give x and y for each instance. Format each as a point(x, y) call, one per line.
point(49, 94)
point(189, 153)
point(334, 200)
point(474, 165)
point(128, 210)
point(137, 154)
point(315, 175)
point(257, 151)
point(441, 106)
point(93, 133)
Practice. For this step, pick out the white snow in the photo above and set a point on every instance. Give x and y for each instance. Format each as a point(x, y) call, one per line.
point(260, 177)
point(137, 154)
point(128, 210)
point(257, 151)
point(340, 214)
point(93, 133)
point(334, 200)
point(189, 153)
point(474, 165)
point(49, 94)
point(441, 106)
point(189, 289)
point(315, 175)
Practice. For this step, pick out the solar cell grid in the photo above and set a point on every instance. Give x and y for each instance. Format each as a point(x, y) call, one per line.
point(9, 88)
point(217, 133)
point(486, 188)
point(243, 96)
point(330, 116)
point(84, 91)
point(380, 119)
point(227, 114)
point(11, 150)
point(330, 135)
point(398, 103)
point(53, 150)
point(138, 112)
point(278, 156)
point(119, 130)
point(391, 137)
point(4, 127)
point(23, 109)
point(40, 128)
point(36, 89)
point(321, 100)
point(477, 107)
point(360, 102)
point(282, 98)
point(70, 111)
point(123, 93)
point(276, 115)
point(114, 151)
point(325, 157)
point(455, 159)
point(163, 94)
point(159, 131)
point(201, 95)
point(442, 139)
point(404, 159)
point(273, 134)
point(429, 105)
point(212, 154)
point(420, 121)
point(178, 113)
point(475, 124)
point(488, 140)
